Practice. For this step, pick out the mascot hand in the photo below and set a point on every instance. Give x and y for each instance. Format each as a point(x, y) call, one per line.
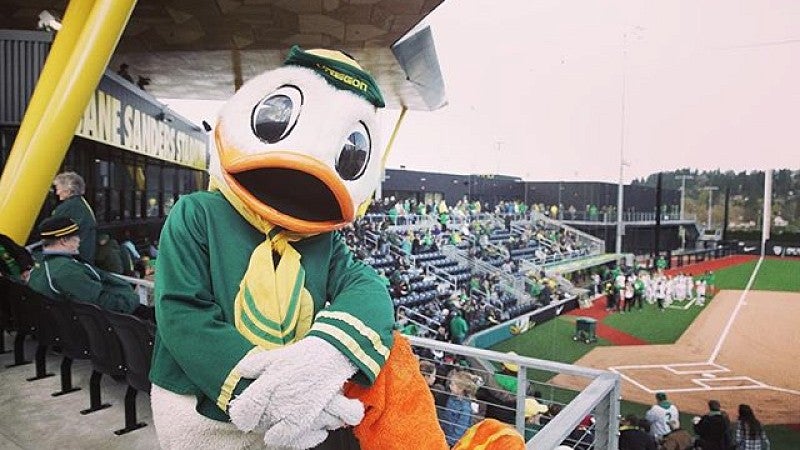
point(340, 412)
point(292, 387)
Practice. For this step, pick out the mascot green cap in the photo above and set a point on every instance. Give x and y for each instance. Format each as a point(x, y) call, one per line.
point(338, 69)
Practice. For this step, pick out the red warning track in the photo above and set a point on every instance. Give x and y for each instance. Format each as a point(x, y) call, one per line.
point(714, 264)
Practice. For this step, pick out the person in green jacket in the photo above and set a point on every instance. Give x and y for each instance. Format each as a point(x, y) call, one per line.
point(109, 254)
point(711, 281)
point(70, 188)
point(458, 328)
point(61, 276)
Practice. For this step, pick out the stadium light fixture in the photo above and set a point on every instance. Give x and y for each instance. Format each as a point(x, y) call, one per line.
point(710, 190)
point(636, 34)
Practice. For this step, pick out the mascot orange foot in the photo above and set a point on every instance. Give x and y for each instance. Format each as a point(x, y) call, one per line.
point(399, 408)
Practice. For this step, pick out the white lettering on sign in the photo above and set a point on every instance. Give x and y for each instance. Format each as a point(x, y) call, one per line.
point(104, 120)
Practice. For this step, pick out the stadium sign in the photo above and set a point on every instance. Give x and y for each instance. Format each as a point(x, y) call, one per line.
point(122, 117)
point(784, 250)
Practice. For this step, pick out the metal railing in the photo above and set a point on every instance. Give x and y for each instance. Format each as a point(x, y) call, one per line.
point(507, 282)
point(627, 216)
point(420, 320)
point(596, 244)
point(600, 398)
point(143, 288)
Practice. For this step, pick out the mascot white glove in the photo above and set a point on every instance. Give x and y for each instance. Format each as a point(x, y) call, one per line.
point(297, 394)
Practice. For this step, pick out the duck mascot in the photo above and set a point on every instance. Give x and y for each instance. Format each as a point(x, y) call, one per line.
point(270, 334)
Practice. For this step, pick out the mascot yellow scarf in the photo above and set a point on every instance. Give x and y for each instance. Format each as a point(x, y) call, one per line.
point(272, 308)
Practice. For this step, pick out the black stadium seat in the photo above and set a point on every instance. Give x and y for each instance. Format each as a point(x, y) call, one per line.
point(60, 329)
point(25, 319)
point(136, 337)
point(6, 317)
point(105, 348)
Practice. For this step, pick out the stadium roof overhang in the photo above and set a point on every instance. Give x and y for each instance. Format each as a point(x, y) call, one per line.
point(205, 49)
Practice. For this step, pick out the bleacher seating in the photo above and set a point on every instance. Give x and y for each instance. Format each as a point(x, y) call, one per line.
point(59, 327)
point(78, 331)
point(106, 352)
point(489, 238)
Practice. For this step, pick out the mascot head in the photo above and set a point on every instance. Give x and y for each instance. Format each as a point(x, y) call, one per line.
point(298, 145)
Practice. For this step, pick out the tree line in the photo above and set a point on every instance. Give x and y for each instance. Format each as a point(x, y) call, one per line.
point(746, 196)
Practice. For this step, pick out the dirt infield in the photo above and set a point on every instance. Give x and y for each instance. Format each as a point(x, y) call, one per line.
point(757, 363)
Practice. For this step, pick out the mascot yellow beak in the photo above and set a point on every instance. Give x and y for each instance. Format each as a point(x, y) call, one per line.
point(291, 190)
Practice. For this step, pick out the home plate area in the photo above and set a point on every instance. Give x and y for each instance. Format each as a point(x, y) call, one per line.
point(685, 378)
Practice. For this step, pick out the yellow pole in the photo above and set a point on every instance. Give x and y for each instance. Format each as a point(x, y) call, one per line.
point(362, 208)
point(394, 135)
point(24, 184)
point(64, 44)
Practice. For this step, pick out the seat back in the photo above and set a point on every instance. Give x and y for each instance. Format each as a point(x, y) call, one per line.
point(26, 307)
point(6, 316)
point(137, 338)
point(106, 351)
point(60, 326)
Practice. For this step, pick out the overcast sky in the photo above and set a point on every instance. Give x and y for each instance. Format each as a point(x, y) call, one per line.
point(535, 89)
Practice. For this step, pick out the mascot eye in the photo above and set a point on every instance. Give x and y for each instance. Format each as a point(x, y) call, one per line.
point(276, 115)
point(354, 156)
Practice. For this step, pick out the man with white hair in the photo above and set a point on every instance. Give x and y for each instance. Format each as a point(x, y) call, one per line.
point(70, 187)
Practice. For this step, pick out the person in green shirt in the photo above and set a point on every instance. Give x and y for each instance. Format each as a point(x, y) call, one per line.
point(638, 292)
point(70, 187)
point(60, 275)
point(506, 377)
point(710, 281)
point(108, 255)
point(458, 328)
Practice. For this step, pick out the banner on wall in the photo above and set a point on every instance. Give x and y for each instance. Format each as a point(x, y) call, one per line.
point(783, 250)
point(121, 115)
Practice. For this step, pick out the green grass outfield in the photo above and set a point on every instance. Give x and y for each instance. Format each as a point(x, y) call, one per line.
point(655, 327)
point(552, 340)
point(777, 275)
point(774, 275)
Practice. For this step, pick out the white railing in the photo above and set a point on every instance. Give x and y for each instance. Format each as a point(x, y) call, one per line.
point(585, 238)
point(143, 288)
point(627, 216)
point(600, 398)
